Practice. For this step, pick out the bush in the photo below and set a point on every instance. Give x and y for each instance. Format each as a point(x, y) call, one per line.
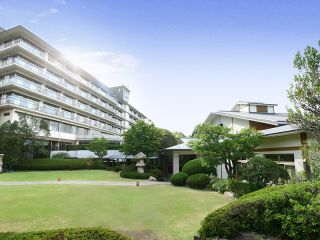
point(179, 179)
point(61, 155)
point(117, 168)
point(198, 181)
point(157, 173)
point(66, 234)
point(290, 211)
point(128, 168)
point(194, 167)
point(134, 175)
point(57, 164)
point(259, 170)
point(218, 185)
point(240, 188)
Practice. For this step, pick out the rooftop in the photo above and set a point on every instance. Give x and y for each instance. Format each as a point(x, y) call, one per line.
point(273, 119)
point(280, 130)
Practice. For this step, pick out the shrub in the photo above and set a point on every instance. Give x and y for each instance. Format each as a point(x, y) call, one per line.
point(179, 179)
point(218, 185)
point(128, 168)
point(240, 188)
point(194, 167)
point(134, 175)
point(57, 164)
point(66, 234)
point(262, 171)
point(291, 211)
point(61, 155)
point(157, 173)
point(117, 168)
point(198, 181)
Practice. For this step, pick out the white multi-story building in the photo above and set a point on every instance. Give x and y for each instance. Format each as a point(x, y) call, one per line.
point(36, 79)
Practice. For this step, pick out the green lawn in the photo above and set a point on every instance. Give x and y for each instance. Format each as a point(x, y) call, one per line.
point(98, 175)
point(149, 212)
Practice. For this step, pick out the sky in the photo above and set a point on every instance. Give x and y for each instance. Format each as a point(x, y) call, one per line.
point(181, 59)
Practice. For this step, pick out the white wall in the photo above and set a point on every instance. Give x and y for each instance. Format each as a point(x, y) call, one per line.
point(235, 124)
point(292, 140)
point(76, 153)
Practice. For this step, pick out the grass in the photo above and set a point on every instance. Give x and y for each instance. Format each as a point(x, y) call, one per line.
point(151, 212)
point(98, 175)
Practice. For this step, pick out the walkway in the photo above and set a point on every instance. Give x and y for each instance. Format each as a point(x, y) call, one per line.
point(93, 183)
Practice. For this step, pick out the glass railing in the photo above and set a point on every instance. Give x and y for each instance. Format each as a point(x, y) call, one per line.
point(29, 85)
point(19, 101)
point(43, 55)
point(50, 110)
point(21, 82)
point(30, 104)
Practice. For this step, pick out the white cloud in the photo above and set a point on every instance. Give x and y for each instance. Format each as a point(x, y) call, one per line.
point(109, 67)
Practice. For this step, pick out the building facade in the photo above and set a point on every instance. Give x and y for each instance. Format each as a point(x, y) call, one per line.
point(281, 142)
point(37, 80)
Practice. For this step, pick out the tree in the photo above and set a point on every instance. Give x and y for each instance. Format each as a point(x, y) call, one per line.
point(18, 138)
point(313, 157)
point(99, 147)
point(259, 170)
point(168, 139)
point(304, 92)
point(141, 137)
point(218, 145)
point(179, 135)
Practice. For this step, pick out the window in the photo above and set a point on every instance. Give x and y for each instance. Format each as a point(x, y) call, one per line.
point(261, 108)
point(83, 131)
point(280, 157)
point(66, 128)
point(6, 114)
point(54, 126)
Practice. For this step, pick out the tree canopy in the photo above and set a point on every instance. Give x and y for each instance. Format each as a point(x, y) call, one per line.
point(168, 139)
point(142, 137)
point(219, 145)
point(99, 147)
point(304, 92)
point(263, 171)
point(18, 138)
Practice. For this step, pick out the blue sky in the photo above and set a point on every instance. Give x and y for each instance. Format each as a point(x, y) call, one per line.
point(181, 59)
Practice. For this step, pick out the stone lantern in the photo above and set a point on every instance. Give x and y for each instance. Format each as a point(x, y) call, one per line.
point(1, 162)
point(140, 157)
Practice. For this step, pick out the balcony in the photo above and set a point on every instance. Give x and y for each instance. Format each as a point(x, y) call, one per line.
point(34, 105)
point(29, 47)
point(52, 77)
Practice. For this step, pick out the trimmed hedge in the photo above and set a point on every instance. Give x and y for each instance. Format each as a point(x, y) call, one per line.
point(194, 167)
point(134, 175)
point(290, 211)
point(198, 181)
point(58, 164)
point(66, 234)
point(179, 179)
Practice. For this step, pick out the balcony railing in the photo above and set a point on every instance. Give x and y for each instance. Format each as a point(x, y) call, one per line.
point(29, 47)
point(34, 105)
point(38, 70)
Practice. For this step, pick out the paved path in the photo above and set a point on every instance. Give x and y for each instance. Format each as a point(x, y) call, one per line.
point(94, 183)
